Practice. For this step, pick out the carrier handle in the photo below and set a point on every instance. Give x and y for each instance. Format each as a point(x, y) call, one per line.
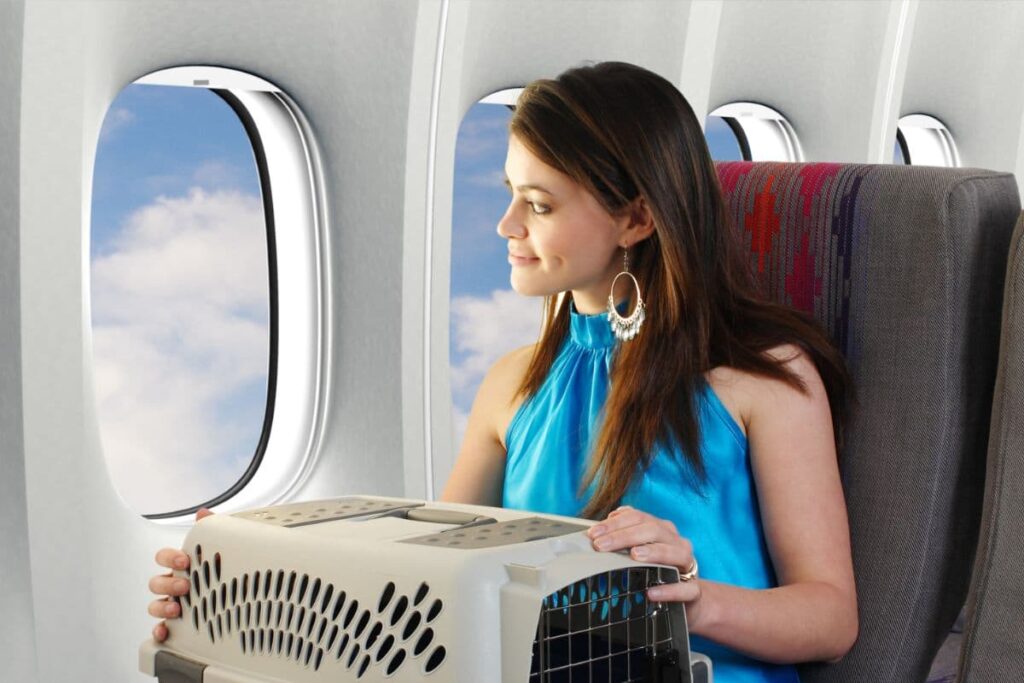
point(437, 516)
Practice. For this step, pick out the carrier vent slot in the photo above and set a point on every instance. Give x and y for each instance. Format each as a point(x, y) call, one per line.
point(288, 615)
point(603, 628)
point(497, 534)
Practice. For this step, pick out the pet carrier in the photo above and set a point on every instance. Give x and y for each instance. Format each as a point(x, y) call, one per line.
point(374, 589)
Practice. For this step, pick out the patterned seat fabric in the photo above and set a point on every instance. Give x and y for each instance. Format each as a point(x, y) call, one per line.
point(904, 267)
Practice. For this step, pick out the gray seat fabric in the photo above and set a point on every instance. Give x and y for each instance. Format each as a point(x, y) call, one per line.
point(993, 648)
point(904, 266)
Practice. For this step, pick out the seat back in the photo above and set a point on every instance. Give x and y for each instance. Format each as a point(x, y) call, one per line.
point(904, 267)
point(993, 646)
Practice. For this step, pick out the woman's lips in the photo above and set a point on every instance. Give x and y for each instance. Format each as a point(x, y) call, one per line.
point(521, 260)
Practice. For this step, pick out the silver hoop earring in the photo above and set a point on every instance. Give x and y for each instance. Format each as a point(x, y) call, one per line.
point(626, 328)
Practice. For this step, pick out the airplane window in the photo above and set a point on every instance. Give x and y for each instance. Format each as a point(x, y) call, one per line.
point(762, 133)
point(726, 139)
point(488, 319)
point(187, 281)
point(927, 141)
point(900, 155)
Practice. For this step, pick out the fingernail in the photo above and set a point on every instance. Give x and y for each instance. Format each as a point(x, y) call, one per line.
point(181, 585)
point(654, 593)
point(597, 530)
point(170, 609)
point(181, 562)
point(640, 552)
point(603, 543)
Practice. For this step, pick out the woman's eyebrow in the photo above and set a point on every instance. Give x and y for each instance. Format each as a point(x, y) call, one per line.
point(522, 188)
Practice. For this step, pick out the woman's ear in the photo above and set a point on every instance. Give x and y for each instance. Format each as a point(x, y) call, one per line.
point(640, 221)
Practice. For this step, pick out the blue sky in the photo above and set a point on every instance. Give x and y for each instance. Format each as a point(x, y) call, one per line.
point(179, 296)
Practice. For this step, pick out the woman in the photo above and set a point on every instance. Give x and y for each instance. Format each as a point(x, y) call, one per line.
point(701, 425)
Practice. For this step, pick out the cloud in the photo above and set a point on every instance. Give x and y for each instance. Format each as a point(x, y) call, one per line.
point(116, 118)
point(181, 344)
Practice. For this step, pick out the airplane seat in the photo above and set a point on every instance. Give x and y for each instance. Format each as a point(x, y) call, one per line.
point(904, 267)
point(993, 649)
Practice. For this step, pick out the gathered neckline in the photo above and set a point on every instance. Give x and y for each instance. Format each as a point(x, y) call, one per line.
point(592, 331)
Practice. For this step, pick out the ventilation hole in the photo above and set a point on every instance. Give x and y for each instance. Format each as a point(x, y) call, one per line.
point(352, 655)
point(302, 588)
point(436, 657)
point(245, 587)
point(310, 624)
point(342, 645)
point(206, 614)
point(385, 647)
point(301, 620)
point(363, 621)
point(411, 625)
point(220, 627)
point(385, 597)
point(234, 590)
point(291, 586)
point(331, 638)
point(238, 616)
point(268, 576)
point(319, 658)
point(296, 649)
point(248, 614)
point(227, 621)
point(251, 636)
point(259, 612)
point(362, 667)
point(278, 611)
point(291, 613)
point(209, 628)
point(280, 641)
point(196, 588)
point(328, 594)
point(338, 604)
point(241, 638)
point(262, 636)
point(309, 653)
point(396, 662)
point(435, 609)
point(454, 542)
point(421, 593)
point(313, 594)
point(255, 585)
point(288, 648)
point(199, 553)
point(323, 629)
point(216, 566)
point(374, 634)
point(423, 642)
point(353, 607)
point(278, 584)
point(400, 607)
point(223, 596)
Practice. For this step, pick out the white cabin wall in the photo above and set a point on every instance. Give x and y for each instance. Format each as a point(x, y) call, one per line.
point(347, 66)
point(490, 46)
point(17, 631)
point(967, 70)
point(824, 65)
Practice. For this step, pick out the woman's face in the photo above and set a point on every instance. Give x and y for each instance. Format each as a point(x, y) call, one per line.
point(559, 237)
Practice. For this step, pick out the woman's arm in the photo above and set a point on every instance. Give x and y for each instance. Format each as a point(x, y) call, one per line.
point(479, 471)
point(812, 615)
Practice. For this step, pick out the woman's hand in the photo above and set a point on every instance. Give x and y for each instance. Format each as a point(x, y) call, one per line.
point(169, 586)
point(655, 540)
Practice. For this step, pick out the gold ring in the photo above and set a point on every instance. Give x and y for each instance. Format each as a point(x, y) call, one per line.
point(690, 574)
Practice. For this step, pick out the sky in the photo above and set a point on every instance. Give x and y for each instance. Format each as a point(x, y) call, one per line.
point(180, 291)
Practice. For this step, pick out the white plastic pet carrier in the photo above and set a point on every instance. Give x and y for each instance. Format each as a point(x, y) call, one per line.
point(373, 589)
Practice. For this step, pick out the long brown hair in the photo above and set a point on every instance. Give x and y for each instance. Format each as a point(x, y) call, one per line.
point(623, 132)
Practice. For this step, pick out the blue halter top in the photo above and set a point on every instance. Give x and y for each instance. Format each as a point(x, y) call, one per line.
point(548, 444)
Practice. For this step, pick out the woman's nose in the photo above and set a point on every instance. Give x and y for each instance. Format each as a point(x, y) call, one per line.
point(511, 225)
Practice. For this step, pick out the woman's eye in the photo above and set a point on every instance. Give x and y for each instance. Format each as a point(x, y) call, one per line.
point(538, 209)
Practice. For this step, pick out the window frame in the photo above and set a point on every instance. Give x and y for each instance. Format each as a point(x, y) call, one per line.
point(763, 133)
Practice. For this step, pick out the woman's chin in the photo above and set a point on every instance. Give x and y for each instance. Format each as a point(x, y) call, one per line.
point(525, 288)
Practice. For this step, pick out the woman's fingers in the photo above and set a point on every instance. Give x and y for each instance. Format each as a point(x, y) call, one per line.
point(164, 608)
point(160, 632)
point(172, 558)
point(683, 591)
point(168, 585)
point(678, 554)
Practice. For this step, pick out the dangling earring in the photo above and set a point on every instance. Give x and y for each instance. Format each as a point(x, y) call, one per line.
point(625, 329)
